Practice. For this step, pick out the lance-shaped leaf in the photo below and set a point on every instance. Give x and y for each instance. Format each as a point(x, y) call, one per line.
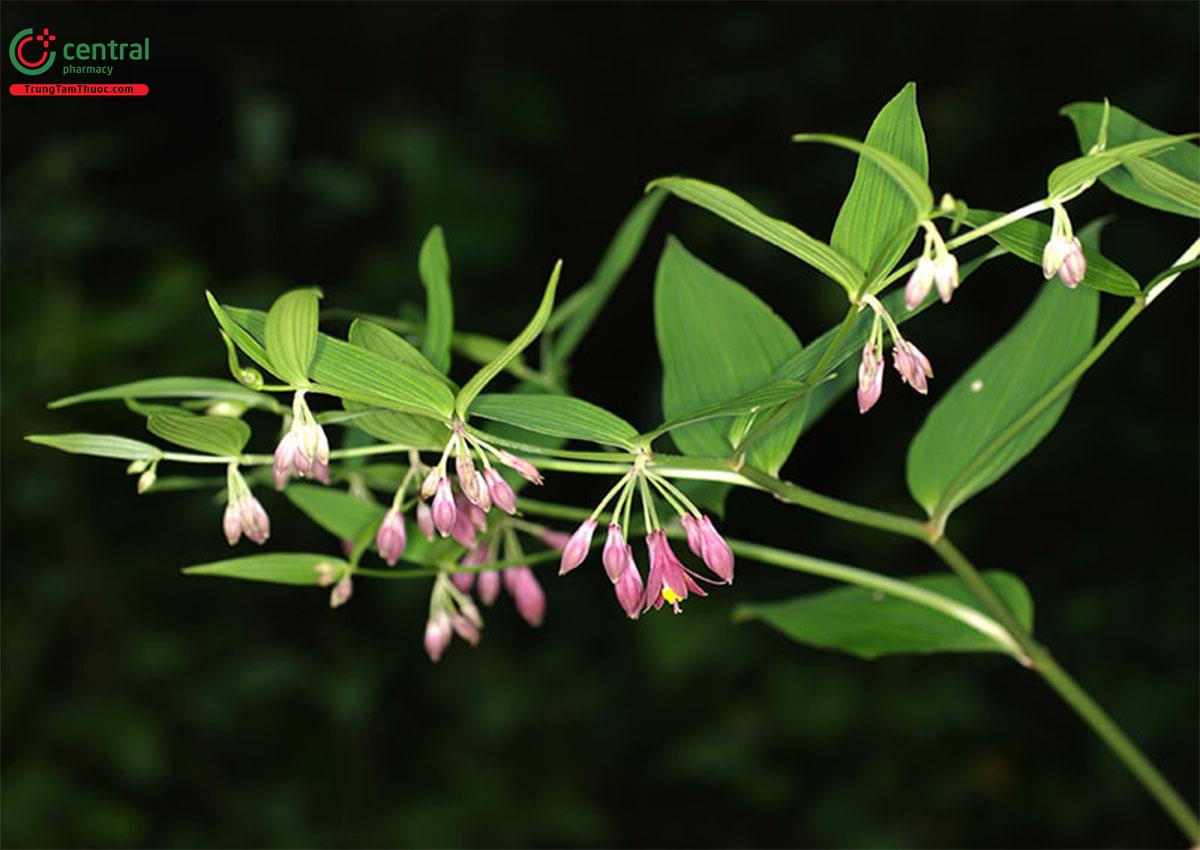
point(911, 184)
point(872, 624)
point(217, 435)
point(1004, 404)
point(1182, 159)
point(291, 334)
point(779, 233)
point(1070, 174)
point(350, 371)
point(217, 389)
point(717, 341)
point(433, 265)
point(374, 337)
point(1027, 238)
point(877, 207)
point(1164, 182)
point(557, 416)
point(249, 344)
point(297, 568)
point(98, 445)
point(769, 395)
point(576, 314)
point(342, 515)
point(484, 376)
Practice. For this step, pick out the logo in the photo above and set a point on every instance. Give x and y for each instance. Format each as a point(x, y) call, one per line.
point(24, 55)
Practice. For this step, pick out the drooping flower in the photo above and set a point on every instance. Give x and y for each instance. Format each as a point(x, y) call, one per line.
point(631, 593)
point(451, 612)
point(304, 449)
point(425, 520)
point(669, 580)
point(438, 633)
point(576, 550)
point(503, 496)
point(912, 365)
point(1074, 266)
point(527, 593)
point(244, 514)
point(716, 553)
point(919, 283)
point(488, 586)
point(464, 529)
point(471, 484)
point(1063, 254)
point(870, 376)
point(444, 510)
point(520, 466)
point(391, 538)
point(945, 275)
point(616, 552)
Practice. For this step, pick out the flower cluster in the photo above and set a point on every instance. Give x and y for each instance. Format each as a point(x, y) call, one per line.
point(451, 612)
point(244, 514)
point(304, 449)
point(908, 360)
point(935, 266)
point(1063, 255)
point(668, 580)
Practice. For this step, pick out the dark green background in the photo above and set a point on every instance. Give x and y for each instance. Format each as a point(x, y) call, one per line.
point(316, 144)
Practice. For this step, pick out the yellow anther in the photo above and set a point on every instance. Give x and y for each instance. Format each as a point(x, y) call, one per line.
point(671, 596)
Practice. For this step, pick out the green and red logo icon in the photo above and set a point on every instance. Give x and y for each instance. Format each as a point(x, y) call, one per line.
point(31, 54)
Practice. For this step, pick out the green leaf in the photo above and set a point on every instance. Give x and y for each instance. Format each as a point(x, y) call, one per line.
point(433, 265)
point(910, 183)
point(769, 395)
point(342, 515)
point(1070, 174)
point(291, 334)
point(1163, 181)
point(1001, 407)
point(557, 416)
point(349, 371)
point(581, 309)
point(1027, 239)
point(247, 342)
point(871, 625)
point(98, 445)
point(376, 338)
point(403, 429)
point(174, 387)
point(779, 233)
point(484, 376)
point(1182, 159)
point(297, 568)
point(217, 435)
point(717, 341)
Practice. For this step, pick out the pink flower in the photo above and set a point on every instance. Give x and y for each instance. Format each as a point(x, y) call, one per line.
point(425, 520)
point(576, 550)
point(946, 276)
point(465, 629)
point(463, 528)
point(669, 580)
point(341, 592)
point(391, 538)
point(488, 586)
point(527, 593)
point(430, 483)
point(503, 496)
point(304, 449)
point(870, 377)
point(716, 553)
point(616, 553)
point(472, 486)
point(912, 365)
point(520, 466)
point(630, 591)
point(245, 515)
point(438, 633)
point(444, 512)
point(1074, 265)
point(919, 283)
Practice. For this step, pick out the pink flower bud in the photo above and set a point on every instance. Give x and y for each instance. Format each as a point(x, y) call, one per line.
point(630, 591)
point(465, 629)
point(488, 585)
point(503, 496)
point(341, 592)
point(475, 515)
point(870, 377)
point(256, 525)
point(615, 554)
point(1074, 265)
point(692, 526)
point(232, 524)
point(717, 555)
point(912, 365)
point(430, 484)
point(285, 462)
point(555, 539)
point(444, 512)
point(946, 276)
point(527, 593)
point(919, 283)
point(425, 520)
point(576, 550)
point(391, 537)
point(463, 529)
point(438, 633)
point(1056, 250)
point(463, 581)
point(468, 479)
point(520, 466)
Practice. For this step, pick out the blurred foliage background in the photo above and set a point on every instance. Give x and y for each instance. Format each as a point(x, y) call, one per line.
point(316, 144)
